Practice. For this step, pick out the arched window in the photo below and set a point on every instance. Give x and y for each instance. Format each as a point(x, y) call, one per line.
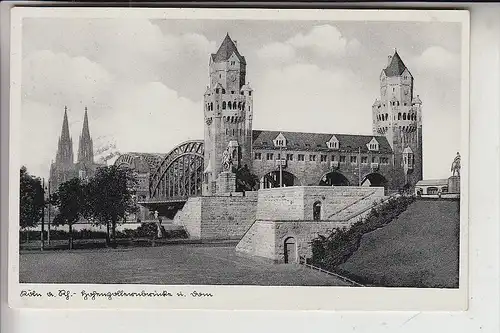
point(234, 105)
point(399, 116)
point(386, 116)
point(227, 131)
point(223, 105)
point(229, 105)
point(398, 103)
point(243, 106)
point(404, 116)
point(233, 131)
point(239, 105)
point(223, 90)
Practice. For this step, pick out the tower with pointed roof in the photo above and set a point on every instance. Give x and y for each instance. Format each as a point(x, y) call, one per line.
point(397, 114)
point(62, 169)
point(64, 155)
point(85, 147)
point(85, 163)
point(228, 110)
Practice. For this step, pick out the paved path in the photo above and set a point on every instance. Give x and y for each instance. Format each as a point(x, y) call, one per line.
point(171, 264)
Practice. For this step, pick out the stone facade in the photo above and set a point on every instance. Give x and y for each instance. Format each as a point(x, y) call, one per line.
point(390, 157)
point(288, 213)
point(228, 110)
point(218, 217)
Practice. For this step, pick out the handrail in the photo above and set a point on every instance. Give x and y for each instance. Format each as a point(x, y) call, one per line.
point(353, 203)
point(302, 261)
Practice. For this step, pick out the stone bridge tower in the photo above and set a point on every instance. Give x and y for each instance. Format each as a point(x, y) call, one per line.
point(398, 116)
point(228, 110)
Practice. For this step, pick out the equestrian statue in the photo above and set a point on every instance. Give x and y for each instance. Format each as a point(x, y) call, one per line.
point(455, 166)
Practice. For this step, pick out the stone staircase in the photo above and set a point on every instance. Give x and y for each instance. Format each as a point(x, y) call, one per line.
point(357, 209)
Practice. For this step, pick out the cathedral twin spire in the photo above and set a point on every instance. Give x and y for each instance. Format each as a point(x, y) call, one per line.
point(65, 144)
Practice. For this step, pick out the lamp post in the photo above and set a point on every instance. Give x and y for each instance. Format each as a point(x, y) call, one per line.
point(359, 166)
point(281, 167)
point(42, 241)
point(48, 217)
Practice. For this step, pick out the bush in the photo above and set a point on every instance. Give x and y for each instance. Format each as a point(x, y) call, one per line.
point(335, 249)
point(145, 230)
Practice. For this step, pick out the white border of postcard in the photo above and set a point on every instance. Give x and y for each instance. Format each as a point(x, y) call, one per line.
point(236, 297)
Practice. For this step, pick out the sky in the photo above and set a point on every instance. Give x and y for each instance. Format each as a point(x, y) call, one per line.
point(143, 80)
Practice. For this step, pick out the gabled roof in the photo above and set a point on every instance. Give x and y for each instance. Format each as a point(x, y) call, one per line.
point(396, 67)
point(317, 141)
point(226, 49)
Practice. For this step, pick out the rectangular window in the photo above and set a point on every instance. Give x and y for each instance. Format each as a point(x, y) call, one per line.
point(258, 156)
point(323, 158)
point(300, 157)
point(289, 157)
point(342, 159)
point(354, 159)
point(312, 158)
point(333, 158)
point(364, 159)
point(278, 157)
point(373, 159)
point(269, 156)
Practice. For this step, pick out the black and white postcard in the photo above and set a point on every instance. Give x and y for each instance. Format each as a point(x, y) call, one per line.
point(239, 159)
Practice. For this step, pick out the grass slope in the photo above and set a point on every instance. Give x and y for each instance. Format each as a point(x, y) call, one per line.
point(418, 249)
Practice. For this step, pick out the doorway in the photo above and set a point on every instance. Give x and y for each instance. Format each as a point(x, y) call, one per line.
point(317, 211)
point(290, 250)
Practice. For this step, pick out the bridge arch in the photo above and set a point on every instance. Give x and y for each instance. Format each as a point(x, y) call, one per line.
point(374, 179)
point(180, 174)
point(272, 179)
point(333, 178)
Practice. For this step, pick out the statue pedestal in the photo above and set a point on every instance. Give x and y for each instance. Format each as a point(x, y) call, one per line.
point(454, 184)
point(226, 183)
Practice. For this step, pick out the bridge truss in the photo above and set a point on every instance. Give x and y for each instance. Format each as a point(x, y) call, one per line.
point(179, 175)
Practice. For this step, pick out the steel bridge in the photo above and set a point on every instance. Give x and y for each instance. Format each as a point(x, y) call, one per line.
point(178, 176)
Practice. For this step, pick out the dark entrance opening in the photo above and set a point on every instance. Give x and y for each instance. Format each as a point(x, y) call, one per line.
point(374, 180)
point(317, 211)
point(290, 250)
point(334, 179)
point(272, 179)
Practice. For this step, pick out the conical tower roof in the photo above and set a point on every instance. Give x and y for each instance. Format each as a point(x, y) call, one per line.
point(65, 127)
point(85, 129)
point(396, 67)
point(64, 153)
point(226, 49)
point(85, 145)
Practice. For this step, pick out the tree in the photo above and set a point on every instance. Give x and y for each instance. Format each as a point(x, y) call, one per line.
point(110, 197)
point(70, 200)
point(31, 199)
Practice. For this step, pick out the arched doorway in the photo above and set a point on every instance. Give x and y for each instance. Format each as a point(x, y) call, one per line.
point(317, 211)
point(290, 250)
point(334, 179)
point(374, 180)
point(272, 179)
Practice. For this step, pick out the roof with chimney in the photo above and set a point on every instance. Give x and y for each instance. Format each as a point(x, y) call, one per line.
point(226, 49)
point(396, 67)
point(317, 141)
